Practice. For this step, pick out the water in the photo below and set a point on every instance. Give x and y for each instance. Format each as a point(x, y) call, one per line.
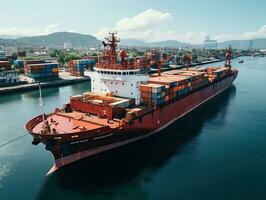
point(215, 152)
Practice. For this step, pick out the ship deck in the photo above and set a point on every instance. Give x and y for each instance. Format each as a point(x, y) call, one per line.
point(74, 122)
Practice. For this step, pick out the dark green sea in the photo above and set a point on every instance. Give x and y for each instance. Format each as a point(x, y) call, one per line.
point(217, 152)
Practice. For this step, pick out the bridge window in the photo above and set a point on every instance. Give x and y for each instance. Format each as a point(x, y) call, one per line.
point(119, 73)
point(131, 73)
point(112, 72)
point(124, 73)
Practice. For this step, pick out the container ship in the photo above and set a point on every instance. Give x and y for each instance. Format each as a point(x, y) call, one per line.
point(126, 104)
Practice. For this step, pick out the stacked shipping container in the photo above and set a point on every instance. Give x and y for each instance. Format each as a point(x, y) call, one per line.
point(153, 94)
point(102, 106)
point(179, 83)
point(197, 79)
point(6, 65)
point(141, 61)
point(77, 67)
point(29, 62)
point(20, 65)
point(40, 69)
point(11, 59)
point(217, 74)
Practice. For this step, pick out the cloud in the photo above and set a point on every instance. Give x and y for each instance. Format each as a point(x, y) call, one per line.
point(255, 34)
point(191, 37)
point(260, 33)
point(145, 26)
point(144, 21)
point(224, 37)
point(23, 31)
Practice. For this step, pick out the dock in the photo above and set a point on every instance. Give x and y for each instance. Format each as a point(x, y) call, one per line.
point(63, 80)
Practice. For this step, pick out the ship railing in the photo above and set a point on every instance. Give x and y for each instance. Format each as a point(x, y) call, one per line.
point(32, 123)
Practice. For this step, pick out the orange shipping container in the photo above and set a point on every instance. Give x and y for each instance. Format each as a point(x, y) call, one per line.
point(55, 70)
point(175, 89)
point(146, 94)
point(145, 88)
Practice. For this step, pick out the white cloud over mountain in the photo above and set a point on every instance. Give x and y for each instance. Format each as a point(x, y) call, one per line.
point(255, 34)
point(32, 31)
point(260, 33)
point(144, 21)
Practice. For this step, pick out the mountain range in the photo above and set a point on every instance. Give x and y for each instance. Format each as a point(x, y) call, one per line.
point(259, 43)
point(57, 40)
point(165, 43)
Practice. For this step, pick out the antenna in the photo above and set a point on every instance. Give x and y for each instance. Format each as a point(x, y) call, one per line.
point(41, 104)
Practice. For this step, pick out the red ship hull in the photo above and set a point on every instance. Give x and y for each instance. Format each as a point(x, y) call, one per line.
point(148, 125)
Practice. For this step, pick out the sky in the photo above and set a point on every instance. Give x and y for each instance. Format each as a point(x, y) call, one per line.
point(147, 20)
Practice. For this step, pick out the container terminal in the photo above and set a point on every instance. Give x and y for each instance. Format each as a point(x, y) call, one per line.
point(21, 70)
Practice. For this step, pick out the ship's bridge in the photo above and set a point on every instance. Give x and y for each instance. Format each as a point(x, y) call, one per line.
point(117, 72)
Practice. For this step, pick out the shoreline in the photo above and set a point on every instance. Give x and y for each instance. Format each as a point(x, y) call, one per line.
point(33, 86)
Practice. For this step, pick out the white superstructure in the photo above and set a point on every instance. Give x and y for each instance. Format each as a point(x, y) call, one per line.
point(124, 83)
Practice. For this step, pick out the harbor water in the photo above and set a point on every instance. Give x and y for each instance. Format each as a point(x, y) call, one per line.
point(216, 152)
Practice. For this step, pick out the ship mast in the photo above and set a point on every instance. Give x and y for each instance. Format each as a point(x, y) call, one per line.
point(112, 43)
